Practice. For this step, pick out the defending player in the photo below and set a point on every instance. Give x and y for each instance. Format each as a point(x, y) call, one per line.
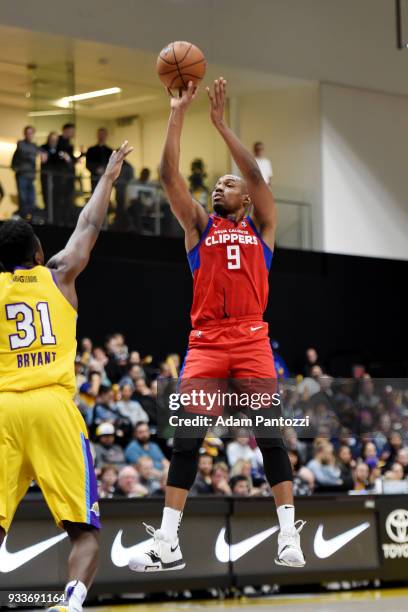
point(229, 253)
point(42, 433)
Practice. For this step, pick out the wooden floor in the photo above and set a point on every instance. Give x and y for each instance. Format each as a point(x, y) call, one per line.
point(392, 600)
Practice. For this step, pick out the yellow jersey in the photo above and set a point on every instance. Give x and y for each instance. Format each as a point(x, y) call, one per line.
point(37, 332)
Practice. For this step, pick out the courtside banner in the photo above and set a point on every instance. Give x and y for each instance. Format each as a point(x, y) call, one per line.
point(225, 541)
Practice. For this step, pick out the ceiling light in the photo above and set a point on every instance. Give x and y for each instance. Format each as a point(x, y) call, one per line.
point(65, 102)
point(47, 113)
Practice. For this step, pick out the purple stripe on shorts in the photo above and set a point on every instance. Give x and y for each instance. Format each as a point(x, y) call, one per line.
point(93, 489)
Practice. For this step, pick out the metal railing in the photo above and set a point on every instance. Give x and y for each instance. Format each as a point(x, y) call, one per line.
point(136, 206)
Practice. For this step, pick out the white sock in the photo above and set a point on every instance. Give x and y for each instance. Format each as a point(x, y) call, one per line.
point(170, 523)
point(76, 592)
point(286, 516)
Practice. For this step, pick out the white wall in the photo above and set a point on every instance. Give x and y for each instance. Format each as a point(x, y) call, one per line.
point(365, 171)
point(288, 122)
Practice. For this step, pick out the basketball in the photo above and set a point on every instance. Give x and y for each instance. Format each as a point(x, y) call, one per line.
point(180, 62)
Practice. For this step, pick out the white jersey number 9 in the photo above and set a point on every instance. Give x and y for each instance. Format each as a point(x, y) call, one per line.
point(234, 257)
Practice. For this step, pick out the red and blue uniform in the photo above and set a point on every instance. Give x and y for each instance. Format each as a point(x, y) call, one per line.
point(230, 267)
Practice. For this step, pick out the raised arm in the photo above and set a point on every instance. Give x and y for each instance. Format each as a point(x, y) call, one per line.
point(262, 200)
point(190, 214)
point(70, 262)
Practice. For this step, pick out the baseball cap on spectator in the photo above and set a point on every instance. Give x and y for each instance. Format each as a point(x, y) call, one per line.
point(105, 429)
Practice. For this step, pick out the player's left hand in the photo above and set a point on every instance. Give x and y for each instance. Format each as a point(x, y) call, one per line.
point(114, 166)
point(217, 99)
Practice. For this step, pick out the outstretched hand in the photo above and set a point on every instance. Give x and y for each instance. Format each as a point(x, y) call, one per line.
point(186, 96)
point(115, 162)
point(217, 99)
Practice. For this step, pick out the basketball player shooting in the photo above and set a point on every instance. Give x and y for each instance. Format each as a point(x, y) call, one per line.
point(43, 435)
point(229, 253)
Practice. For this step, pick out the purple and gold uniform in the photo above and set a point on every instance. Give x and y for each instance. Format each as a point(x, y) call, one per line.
point(42, 433)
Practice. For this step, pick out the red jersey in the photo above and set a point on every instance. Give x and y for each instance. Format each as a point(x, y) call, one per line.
point(230, 267)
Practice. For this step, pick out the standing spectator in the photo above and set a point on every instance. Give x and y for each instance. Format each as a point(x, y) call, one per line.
point(198, 188)
point(263, 162)
point(127, 174)
point(66, 176)
point(128, 484)
point(97, 157)
point(23, 164)
point(142, 445)
point(144, 176)
point(130, 408)
point(202, 483)
point(107, 481)
point(106, 451)
point(147, 476)
point(50, 166)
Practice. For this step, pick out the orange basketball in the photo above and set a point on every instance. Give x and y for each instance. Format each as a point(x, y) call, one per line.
point(179, 63)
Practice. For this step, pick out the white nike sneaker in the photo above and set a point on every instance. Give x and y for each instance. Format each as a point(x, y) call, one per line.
point(164, 555)
point(70, 603)
point(289, 551)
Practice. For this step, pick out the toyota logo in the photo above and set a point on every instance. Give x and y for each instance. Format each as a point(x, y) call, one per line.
point(396, 526)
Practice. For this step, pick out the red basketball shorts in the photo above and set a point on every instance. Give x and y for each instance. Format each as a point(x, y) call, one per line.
point(236, 352)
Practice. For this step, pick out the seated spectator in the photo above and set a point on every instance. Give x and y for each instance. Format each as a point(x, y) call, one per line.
point(361, 477)
point(303, 482)
point(324, 467)
point(369, 451)
point(104, 410)
point(240, 449)
point(397, 470)
point(213, 445)
point(147, 476)
point(107, 481)
point(391, 448)
point(128, 484)
point(202, 483)
point(219, 479)
point(142, 445)
point(293, 443)
point(106, 451)
point(143, 395)
point(161, 491)
point(402, 458)
point(130, 408)
point(240, 486)
point(346, 464)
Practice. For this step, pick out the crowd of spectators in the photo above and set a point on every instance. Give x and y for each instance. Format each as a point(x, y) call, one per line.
point(139, 200)
point(357, 441)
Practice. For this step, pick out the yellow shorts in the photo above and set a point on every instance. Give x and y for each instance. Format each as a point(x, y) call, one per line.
point(43, 437)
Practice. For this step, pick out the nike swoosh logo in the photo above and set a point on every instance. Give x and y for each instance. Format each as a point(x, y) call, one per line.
point(255, 328)
point(326, 548)
point(121, 555)
point(232, 552)
point(12, 561)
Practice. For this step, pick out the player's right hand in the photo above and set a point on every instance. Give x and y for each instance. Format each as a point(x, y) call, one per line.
point(186, 96)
